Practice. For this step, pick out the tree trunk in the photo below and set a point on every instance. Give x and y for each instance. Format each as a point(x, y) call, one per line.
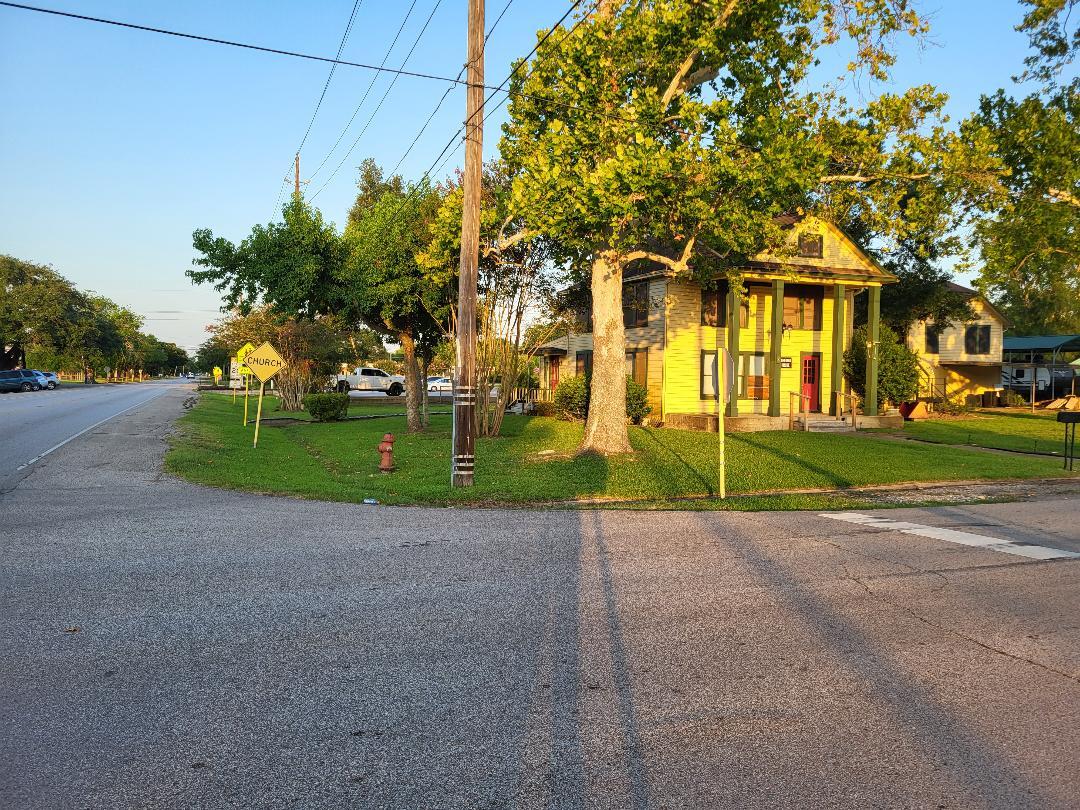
point(413, 384)
point(605, 427)
point(426, 411)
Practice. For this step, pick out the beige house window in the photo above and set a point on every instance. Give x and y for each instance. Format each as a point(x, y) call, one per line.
point(635, 304)
point(753, 375)
point(811, 245)
point(802, 306)
point(931, 343)
point(637, 366)
point(977, 339)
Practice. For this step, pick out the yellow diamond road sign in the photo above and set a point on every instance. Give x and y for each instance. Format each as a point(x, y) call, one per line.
point(244, 351)
point(264, 362)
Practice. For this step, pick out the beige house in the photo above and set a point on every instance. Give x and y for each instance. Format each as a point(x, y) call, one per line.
point(786, 337)
point(961, 361)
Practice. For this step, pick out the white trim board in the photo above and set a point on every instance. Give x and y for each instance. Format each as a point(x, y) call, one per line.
point(953, 536)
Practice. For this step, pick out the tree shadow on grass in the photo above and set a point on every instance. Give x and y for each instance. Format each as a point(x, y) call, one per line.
point(667, 447)
point(758, 444)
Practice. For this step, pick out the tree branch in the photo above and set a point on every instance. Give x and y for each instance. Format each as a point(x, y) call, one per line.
point(508, 242)
point(871, 178)
point(684, 80)
point(678, 265)
point(1063, 196)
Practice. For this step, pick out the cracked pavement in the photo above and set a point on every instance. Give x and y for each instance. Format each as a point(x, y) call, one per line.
point(166, 645)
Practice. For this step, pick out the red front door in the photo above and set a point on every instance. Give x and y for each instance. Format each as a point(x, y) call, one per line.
point(553, 373)
point(811, 381)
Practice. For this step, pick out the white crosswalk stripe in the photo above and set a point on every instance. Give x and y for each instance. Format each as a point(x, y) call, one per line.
point(953, 536)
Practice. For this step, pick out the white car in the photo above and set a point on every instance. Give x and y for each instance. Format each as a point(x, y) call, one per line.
point(366, 378)
point(440, 385)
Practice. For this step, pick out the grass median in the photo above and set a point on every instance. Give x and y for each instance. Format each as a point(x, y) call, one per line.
point(534, 462)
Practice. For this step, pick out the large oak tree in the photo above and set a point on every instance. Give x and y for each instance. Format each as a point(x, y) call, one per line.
point(676, 131)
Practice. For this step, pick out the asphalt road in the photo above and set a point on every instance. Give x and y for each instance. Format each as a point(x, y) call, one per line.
point(35, 423)
point(165, 645)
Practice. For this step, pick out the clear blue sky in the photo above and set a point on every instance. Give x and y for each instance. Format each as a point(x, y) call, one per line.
point(117, 144)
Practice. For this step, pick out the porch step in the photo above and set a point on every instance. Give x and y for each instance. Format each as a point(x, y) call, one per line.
point(825, 425)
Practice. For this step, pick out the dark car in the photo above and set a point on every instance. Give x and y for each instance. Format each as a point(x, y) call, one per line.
point(19, 380)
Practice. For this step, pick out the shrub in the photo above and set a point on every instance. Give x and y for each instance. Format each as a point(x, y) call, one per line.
point(327, 407)
point(544, 408)
point(898, 366)
point(637, 408)
point(1011, 398)
point(572, 397)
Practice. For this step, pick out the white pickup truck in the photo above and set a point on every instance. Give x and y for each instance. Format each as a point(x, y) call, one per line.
point(366, 378)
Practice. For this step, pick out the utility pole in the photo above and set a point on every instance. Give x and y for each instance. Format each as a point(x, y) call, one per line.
point(296, 164)
point(465, 376)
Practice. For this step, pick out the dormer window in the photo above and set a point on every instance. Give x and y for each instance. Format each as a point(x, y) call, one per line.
point(811, 245)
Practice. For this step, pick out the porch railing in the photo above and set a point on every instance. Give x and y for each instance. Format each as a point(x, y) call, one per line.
point(803, 408)
point(851, 402)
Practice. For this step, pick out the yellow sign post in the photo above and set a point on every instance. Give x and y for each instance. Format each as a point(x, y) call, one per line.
point(217, 375)
point(245, 372)
point(264, 362)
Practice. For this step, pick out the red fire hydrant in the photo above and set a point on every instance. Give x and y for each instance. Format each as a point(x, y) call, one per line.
point(386, 448)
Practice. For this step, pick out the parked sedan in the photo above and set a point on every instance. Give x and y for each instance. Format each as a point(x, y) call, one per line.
point(51, 379)
point(440, 385)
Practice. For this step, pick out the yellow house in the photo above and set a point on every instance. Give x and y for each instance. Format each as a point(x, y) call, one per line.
point(786, 337)
point(960, 361)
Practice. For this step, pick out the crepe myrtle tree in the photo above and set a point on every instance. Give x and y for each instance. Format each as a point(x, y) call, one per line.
point(385, 287)
point(676, 132)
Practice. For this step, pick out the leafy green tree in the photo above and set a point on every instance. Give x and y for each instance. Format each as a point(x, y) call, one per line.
point(37, 311)
point(292, 265)
point(383, 285)
point(675, 132)
point(312, 349)
point(213, 352)
point(514, 275)
point(922, 291)
point(1030, 247)
point(370, 186)
point(898, 366)
point(1047, 25)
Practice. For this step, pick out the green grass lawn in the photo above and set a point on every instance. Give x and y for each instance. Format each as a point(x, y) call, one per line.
point(533, 461)
point(1003, 430)
point(367, 406)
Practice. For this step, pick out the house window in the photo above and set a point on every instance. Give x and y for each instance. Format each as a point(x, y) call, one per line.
point(932, 344)
point(635, 310)
point(802, 306)
point(753, 375)
point(714, 307)
point(977, 339)
point(811, 245)
point(708, 375)
point(637, 365)
point(583, 364)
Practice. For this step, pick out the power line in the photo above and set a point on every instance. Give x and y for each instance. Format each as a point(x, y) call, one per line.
point(330, 76)
point(375, 112)
point(427, 174)
point(326, 86)
point(367, 92)
point(229, 42)
point(378, 106)
point(439, 104)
